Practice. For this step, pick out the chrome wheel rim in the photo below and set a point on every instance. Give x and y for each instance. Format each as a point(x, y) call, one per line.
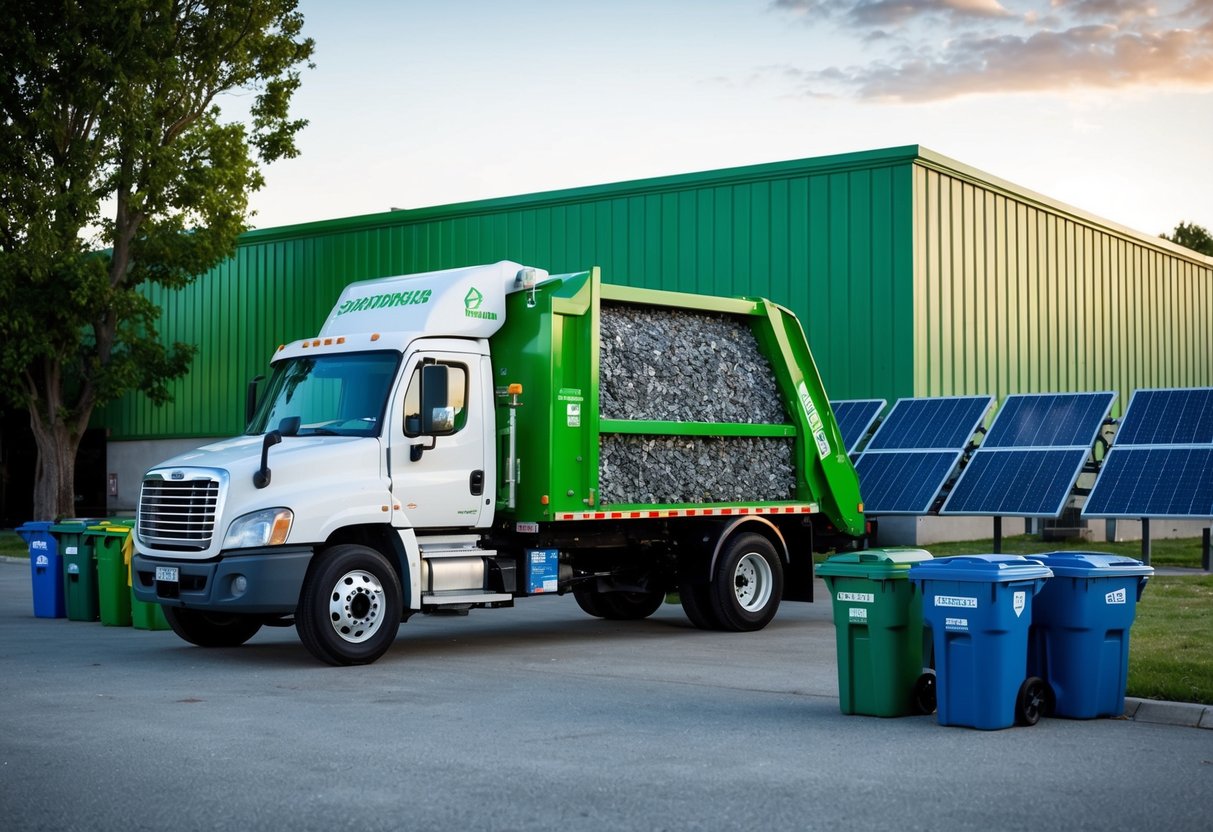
point(356, 606)
point(752, 582)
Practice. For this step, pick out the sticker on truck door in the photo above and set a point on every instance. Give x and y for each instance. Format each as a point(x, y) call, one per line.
point(816, 426)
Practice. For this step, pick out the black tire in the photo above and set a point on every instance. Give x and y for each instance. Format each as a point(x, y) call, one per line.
point(629, 606)
point(1032, 702)
point(587, 599)
point(210, 629)
point(350, 607)
point(747, 583)
point(925, 694)
point(697, 604)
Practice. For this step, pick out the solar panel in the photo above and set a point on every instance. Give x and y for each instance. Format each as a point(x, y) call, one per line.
point(1168, 417)
point(1172, 482)
point(1044, 420)
point(855, 418)
point(915, 450)
point(1029, 461)
point(930, 423)
point(1161, 464)
point(905, 482)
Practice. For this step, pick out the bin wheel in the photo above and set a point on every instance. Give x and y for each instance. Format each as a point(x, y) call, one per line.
point(924, 693)
point(350, 606)
point(209, 629)
point(1033, 701)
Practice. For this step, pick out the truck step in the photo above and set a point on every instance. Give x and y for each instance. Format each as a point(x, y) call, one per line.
point(430, 554)
point(457, 596)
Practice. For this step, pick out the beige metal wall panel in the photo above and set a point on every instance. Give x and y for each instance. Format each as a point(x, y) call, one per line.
point(1015, 293)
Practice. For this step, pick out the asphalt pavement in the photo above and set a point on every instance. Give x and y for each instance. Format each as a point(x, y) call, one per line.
point(535, 718)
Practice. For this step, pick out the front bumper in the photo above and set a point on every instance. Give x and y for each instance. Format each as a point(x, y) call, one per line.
point(274, 577)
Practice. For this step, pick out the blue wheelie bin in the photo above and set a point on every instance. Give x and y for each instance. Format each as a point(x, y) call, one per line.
point(46, 569)
point(1080, 630)
point(979, 610)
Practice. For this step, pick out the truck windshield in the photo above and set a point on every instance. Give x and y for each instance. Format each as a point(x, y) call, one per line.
point(332, 395)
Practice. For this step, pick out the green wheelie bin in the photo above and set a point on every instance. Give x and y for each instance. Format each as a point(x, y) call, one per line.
point(878, 626)
point(79, 569)
point(144, 614)
point(113, 591)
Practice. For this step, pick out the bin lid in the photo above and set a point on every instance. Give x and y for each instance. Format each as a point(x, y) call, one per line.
point(35, 526)
point(990, 569)
point(74, 524)
point(1092, 565)
point(877, 564)
point(108, 528)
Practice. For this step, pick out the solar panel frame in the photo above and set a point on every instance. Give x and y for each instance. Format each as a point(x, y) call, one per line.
point(855, 418)
point(1047, 437)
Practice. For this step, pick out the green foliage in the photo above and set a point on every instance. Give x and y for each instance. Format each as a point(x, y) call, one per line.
point(118, 172)
point(1193, 236)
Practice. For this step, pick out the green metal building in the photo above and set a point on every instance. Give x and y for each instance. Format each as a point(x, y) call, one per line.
point(913, 274)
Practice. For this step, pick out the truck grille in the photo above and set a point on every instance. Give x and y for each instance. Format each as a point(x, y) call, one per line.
point(178, 514)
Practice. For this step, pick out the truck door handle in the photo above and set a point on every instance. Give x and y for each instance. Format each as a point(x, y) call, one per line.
point(476, 483)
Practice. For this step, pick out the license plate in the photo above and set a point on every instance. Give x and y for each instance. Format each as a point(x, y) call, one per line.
point(167, 573)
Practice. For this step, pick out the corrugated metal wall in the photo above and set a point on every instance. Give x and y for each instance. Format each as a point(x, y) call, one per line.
point(1015, 293)
point(829, 237)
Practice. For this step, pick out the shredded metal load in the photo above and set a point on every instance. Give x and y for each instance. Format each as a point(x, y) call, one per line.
point(694, 469)
point(676, 366)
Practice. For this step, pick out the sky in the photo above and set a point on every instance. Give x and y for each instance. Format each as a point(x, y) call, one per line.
point(1106, 105)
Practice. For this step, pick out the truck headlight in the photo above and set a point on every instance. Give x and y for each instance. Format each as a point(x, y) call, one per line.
point(268, 527)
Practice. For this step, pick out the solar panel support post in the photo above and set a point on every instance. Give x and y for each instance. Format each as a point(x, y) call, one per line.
point(1204, 549)
point(1145, 540)
point(998, 535)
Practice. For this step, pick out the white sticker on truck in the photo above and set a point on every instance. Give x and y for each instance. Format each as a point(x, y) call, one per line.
point(816, 426)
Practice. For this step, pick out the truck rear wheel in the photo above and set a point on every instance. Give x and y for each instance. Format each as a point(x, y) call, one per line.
point(209, 629)
point(697, 604)
point(349, 610)
point(747, 584)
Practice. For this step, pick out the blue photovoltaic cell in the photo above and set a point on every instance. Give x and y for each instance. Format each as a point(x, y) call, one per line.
point(1168, 417)
point(903, 483)
point(1017, 482)
point(930, 424)
point(855, 418)
point(1174, 482)
point(1049, 420)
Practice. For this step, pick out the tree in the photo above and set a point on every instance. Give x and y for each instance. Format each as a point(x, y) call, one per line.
point(1193, 236)
point(119, 172)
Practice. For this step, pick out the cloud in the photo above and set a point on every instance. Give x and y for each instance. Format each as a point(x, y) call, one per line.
point(888, 12)
point(1076, 44)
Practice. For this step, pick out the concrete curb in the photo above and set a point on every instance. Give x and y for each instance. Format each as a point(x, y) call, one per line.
point(1169, 713)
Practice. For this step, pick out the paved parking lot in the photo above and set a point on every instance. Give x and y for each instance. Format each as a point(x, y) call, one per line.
point(536, 717)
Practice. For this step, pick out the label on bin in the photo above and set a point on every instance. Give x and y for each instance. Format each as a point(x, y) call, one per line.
point(1018, 601)
point(73, 569)
point(71, 550)
point(956, 623)
point(1117, 597)
point(859, 614)
point(38, 544)
point(955, 601)
point(858, 597)
point(42, 560)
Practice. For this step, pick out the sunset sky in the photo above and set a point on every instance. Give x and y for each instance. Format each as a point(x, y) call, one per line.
point(1103, 104)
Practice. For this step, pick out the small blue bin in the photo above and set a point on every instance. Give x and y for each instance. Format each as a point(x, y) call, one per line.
point(46, 569)
point(979, 609)
point(1080, 630)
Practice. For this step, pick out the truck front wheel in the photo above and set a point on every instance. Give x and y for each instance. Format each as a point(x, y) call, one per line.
point(747, 583)
point(209, 629)
point(350, 606)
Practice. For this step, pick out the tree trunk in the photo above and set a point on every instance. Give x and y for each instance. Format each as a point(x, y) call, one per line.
point(55, 479)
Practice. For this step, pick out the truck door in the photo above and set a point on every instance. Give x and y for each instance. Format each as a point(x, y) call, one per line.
point(439, 477)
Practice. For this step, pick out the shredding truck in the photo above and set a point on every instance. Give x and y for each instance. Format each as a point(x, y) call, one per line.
point(461, 439)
